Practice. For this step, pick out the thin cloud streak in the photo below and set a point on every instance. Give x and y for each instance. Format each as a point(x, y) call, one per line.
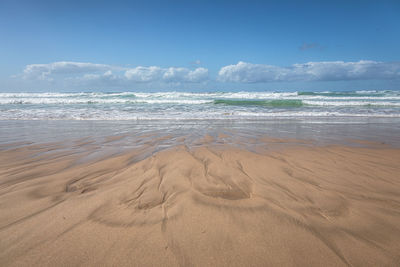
point(310, 46)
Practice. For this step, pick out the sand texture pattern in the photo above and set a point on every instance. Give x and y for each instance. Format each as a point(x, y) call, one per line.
point(205, 205)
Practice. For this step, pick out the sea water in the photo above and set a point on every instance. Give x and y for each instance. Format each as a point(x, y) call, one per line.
point(326, 116)
point(198, 106)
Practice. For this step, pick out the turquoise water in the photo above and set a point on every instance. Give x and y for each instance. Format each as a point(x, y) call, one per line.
point(199, 106)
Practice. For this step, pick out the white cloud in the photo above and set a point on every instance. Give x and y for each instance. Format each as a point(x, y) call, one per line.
point(196, 62)
point(108, 75)
point(144, 74)
point(172, 74)
point(102, 72)
point(312, 71)
point(242, 72)
point(197, 75)
point(46, 71)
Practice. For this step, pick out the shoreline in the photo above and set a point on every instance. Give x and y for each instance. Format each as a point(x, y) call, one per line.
point(322, 131)
point(287, 202)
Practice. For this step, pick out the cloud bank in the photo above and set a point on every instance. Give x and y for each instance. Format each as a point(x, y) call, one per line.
point(172, 74)
point(102, 72)
point(46, 71)
point(244, 72)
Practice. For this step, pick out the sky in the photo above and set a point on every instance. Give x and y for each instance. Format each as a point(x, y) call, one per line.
point(59, 46)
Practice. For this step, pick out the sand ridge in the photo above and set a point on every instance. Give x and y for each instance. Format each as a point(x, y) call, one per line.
point(210, 204)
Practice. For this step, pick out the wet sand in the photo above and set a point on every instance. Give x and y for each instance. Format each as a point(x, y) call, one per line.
point(281, 203)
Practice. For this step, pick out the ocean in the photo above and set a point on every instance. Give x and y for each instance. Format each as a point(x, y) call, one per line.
point(325, 117)
point(199, 106)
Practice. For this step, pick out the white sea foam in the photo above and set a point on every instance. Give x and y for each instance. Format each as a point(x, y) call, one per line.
point(351, 103)
point(197, 106)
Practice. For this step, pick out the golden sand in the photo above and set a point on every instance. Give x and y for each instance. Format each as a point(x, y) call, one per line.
point(302, 205)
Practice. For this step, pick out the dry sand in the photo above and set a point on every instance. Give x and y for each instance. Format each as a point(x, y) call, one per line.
point(206, 205)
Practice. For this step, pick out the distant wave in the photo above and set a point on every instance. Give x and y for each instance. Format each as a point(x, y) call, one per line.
point(265, 103)
point(344, 94)
point(188, 105)
point(88, 101)
point(352, 103)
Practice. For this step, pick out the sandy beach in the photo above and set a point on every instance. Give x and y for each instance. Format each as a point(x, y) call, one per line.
point(199, 133)
point(284, 202)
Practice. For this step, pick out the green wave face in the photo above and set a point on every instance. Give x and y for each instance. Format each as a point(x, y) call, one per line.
point(265, 103)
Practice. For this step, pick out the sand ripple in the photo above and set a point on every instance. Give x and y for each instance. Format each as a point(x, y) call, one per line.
point(209, 204)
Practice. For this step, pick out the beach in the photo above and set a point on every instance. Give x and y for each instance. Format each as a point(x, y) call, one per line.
point(199, 133)
point(231, 194)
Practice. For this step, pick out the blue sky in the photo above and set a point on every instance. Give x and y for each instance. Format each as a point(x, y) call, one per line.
point(199, 45)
